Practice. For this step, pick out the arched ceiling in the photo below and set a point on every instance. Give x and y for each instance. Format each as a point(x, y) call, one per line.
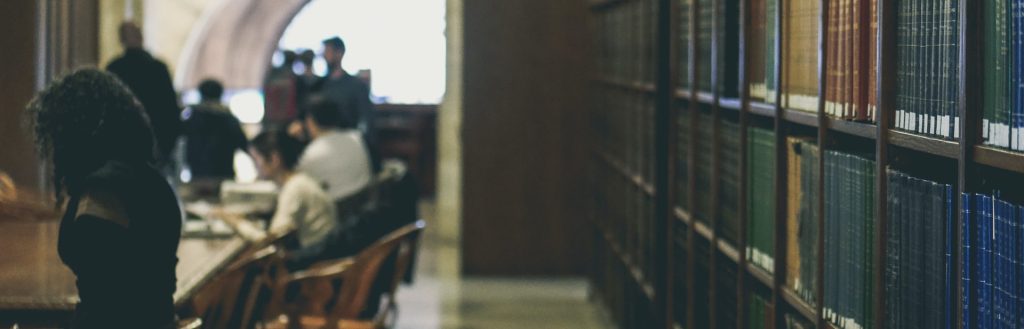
point(235, 41)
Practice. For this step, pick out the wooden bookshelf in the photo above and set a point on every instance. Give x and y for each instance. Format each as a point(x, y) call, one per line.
point(673, 86)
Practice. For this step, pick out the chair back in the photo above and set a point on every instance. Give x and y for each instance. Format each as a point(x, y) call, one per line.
point(359, 279)
point(231, 300)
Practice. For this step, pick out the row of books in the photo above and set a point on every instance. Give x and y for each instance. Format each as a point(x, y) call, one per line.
point(851, 61)
point(918, 276)
point(626, 120)
point(992, 262)
point(723, 17)
point(761, 197)
point(849, 237)
point(625, 299)
point(927, 67)
point(625, 39)
point(1003, 100)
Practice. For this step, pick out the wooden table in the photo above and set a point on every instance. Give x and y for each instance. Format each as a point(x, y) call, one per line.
point(34, 280)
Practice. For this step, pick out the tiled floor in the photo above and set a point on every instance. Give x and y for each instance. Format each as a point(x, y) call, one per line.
point(442, 299)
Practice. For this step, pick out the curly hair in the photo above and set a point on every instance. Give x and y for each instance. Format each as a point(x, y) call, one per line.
point(85, 120)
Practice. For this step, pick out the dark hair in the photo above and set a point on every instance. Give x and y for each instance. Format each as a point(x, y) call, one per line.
point(83, 121)
point(289, 58)
point(327, 113)
point(336, 43)
point(278, 141)
point(211, 89)
point(307, 56)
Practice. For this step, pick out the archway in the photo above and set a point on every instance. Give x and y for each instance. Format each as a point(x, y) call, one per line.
point(234, 42)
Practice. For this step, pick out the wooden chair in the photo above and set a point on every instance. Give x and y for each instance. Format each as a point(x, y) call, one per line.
point(235, 298)
point(357, 275)
point(403, 264)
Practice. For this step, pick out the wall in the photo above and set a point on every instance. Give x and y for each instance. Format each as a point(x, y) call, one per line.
point(524, 78)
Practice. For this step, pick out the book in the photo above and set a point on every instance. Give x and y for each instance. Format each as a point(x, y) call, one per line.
point(760, 197)
point(756, 51)
point(729, 181)
point(802, 218)
point(727, 45)
point(800, 55)
point(771, 45)
point(683, 52)
point(927, 69)
point(705, 26)
point(704, 166)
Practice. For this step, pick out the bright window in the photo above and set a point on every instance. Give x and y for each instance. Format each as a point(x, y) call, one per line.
point(401, 42)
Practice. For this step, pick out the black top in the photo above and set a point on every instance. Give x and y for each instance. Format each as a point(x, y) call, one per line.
point(150, 81)
point(212, 134)
point(349, 92)
point(125, 267)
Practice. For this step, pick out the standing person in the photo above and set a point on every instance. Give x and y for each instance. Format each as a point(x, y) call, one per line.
point(348, 92)
point(280, 91)
point(212, 135)
point(121, 225)
point(149, 80)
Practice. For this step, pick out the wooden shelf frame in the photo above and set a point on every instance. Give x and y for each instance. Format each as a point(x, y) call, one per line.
point(971, 156)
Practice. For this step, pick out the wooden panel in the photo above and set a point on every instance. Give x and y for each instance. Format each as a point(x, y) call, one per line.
point(525, 78)
point(17, 82)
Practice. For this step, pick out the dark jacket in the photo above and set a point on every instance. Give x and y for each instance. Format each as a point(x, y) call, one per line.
point(212, 134)
point(150, 81)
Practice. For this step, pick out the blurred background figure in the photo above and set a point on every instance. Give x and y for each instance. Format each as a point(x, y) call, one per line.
point(212, 135)
point(337, 157)
point(280, 93)
point(349, 92)
point(148, 78)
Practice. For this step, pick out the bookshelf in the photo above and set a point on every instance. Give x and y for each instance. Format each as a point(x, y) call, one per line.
point(692, 253)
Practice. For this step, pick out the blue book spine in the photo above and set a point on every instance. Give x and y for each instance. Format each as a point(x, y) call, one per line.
point(965, 261)
point(1020, 266)
point(982, 241)
point(987, 237)
point(1013, 273)
point(996, 279)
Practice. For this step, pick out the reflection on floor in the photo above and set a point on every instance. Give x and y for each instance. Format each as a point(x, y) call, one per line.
point(441, 299)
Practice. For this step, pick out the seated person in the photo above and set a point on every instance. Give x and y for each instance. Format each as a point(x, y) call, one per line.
point(212, 134)
point(337, 157)
point(302, 206)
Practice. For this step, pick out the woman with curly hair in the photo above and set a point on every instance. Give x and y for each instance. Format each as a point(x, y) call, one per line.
point(121, 224)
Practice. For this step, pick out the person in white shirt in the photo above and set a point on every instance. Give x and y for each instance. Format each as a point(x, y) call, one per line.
point(337, 157)
point(302, 205)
